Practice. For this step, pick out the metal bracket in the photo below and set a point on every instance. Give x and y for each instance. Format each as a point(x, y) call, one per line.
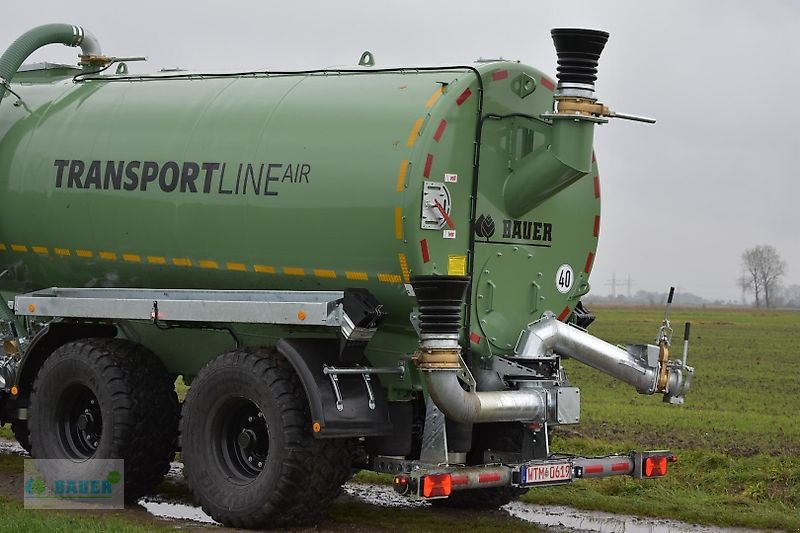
point(335, 383)
point(504, 367)
point(368, 385)
point(434, 435)
point(367, 59)
point(466, 376)
point(333, 374)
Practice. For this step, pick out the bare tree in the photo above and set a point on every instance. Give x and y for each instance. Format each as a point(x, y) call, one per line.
point(763, 271)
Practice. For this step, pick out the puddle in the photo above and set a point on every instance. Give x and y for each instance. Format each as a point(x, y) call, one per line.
point(557, 517)
point(11, 447)
point(380, 495)
point(569, 519)
point(178, 511)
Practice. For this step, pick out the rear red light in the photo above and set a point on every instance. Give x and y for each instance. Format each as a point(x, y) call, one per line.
point(655, 466)
point(401, 484)
point(437, 485)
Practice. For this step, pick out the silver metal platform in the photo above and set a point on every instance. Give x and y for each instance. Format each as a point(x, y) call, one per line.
point(307, 308)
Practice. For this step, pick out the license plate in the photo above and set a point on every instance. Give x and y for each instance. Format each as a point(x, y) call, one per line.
point(546, 473)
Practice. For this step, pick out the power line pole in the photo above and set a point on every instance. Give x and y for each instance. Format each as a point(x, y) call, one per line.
point(629, 283)
point(613, 283)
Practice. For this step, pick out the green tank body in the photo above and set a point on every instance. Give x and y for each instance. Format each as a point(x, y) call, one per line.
point(315, 180)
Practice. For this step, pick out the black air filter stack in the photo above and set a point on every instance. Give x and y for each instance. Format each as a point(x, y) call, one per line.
point(578, 53)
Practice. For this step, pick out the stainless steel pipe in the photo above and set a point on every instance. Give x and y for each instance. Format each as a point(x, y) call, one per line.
point(493, 406)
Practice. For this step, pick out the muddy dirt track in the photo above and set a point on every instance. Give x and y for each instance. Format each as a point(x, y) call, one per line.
point(365, 508)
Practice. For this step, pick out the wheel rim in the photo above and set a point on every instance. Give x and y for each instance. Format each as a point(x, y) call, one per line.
point(243, 439)
point(79, 422)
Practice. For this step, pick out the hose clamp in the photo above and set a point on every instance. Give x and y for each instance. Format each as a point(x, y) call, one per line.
point(437, 359)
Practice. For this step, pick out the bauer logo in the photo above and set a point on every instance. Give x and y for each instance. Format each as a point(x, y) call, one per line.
point(63, 484)
point(484, 227)
point(529, 231)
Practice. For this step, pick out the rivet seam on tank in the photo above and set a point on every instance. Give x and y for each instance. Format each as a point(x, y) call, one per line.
point(213, 265)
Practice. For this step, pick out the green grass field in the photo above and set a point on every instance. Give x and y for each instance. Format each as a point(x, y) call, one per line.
point(737, 437)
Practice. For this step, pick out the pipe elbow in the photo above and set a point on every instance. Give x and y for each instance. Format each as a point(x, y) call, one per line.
point(32, 40)
point(494, 406)
point(90, 46)
point(580, 345)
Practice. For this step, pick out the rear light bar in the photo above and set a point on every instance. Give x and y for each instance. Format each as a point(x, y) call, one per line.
point(427, 484)
point(431, 483)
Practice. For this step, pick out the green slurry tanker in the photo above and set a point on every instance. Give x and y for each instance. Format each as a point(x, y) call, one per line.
point(375, 268)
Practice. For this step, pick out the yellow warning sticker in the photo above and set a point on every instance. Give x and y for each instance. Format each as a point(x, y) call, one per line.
point(456, 265)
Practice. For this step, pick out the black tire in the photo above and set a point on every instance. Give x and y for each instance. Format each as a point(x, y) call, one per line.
point(247, 446)
point(505, 436)
point(22, 434)
point(103, 398)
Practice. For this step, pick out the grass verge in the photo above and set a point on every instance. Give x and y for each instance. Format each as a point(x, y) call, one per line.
point(737, 437)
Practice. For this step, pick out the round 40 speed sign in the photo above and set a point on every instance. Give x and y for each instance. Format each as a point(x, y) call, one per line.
point(565, 277)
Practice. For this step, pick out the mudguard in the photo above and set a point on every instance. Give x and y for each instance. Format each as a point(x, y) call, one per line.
point(46, 340)
point(356, 418)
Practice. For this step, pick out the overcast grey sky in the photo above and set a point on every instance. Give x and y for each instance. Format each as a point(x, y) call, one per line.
point(681, 199)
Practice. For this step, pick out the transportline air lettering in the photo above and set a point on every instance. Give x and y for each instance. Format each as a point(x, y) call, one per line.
point(262, 179)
